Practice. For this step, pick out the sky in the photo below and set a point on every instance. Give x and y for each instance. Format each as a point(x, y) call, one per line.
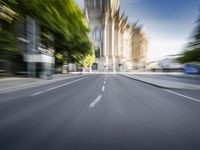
point(168, 23)
point(80, 3)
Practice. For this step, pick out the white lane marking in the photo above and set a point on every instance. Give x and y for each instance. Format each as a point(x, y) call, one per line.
point(50, 89)
point(38, 93)
point(19, 87)
point(103, 88)
point(104, 82)
point(194, 99)
point(97, 99)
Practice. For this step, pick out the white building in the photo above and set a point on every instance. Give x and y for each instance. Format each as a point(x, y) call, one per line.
point(111, 35)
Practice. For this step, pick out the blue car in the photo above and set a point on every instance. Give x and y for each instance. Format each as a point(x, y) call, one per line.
point(191, 69)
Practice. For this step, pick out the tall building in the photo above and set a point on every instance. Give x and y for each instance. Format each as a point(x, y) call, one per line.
point(139, 48)
point(111, 36)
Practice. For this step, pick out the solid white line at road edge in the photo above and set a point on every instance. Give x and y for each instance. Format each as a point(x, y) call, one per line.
point(98, 98)
point(50, 89)
point(194, 99)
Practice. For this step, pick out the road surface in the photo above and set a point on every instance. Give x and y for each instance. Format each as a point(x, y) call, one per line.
point(99, 112)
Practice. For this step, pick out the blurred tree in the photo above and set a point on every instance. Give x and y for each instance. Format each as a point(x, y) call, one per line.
point(192, 53)
point(89, 60)
point(62, 18)
point(8, 43)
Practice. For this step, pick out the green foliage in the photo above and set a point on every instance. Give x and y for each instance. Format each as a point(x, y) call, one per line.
point(89, 60)
point(7, 44)
point(62, 18)
point(192, 54)
point(7, 14)
point(59, 56)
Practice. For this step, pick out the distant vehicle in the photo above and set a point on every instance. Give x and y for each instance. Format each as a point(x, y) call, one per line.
point(191, 69)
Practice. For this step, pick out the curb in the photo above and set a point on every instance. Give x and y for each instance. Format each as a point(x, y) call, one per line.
point(144, 82)
point(155, 85)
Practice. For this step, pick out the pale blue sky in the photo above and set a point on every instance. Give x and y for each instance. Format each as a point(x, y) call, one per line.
point(168, 23)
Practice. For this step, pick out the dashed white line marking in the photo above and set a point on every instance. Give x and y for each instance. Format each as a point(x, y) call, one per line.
point(97, 99)
point(104, 82)
point(53, 88)
point(38, 93)
point(103, 88)
point(194, 99)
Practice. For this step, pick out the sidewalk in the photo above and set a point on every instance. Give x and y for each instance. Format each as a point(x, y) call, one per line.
point(162, 83)
point(13, 83)
point(173, 74)
point(182, 75)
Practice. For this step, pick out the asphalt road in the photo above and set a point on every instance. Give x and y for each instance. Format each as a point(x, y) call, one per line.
point(99, 112)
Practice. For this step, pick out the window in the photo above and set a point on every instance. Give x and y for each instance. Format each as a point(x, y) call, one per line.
point(91, 4)
point(97, 34)
point(97, 52)
point(97, 3)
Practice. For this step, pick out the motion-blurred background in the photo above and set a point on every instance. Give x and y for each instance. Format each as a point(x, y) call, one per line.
point(41, 37)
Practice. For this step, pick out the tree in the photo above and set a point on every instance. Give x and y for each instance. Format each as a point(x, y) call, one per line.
point(8, 42)
point(192, 52)
point(89, 60)
point(62, 18)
